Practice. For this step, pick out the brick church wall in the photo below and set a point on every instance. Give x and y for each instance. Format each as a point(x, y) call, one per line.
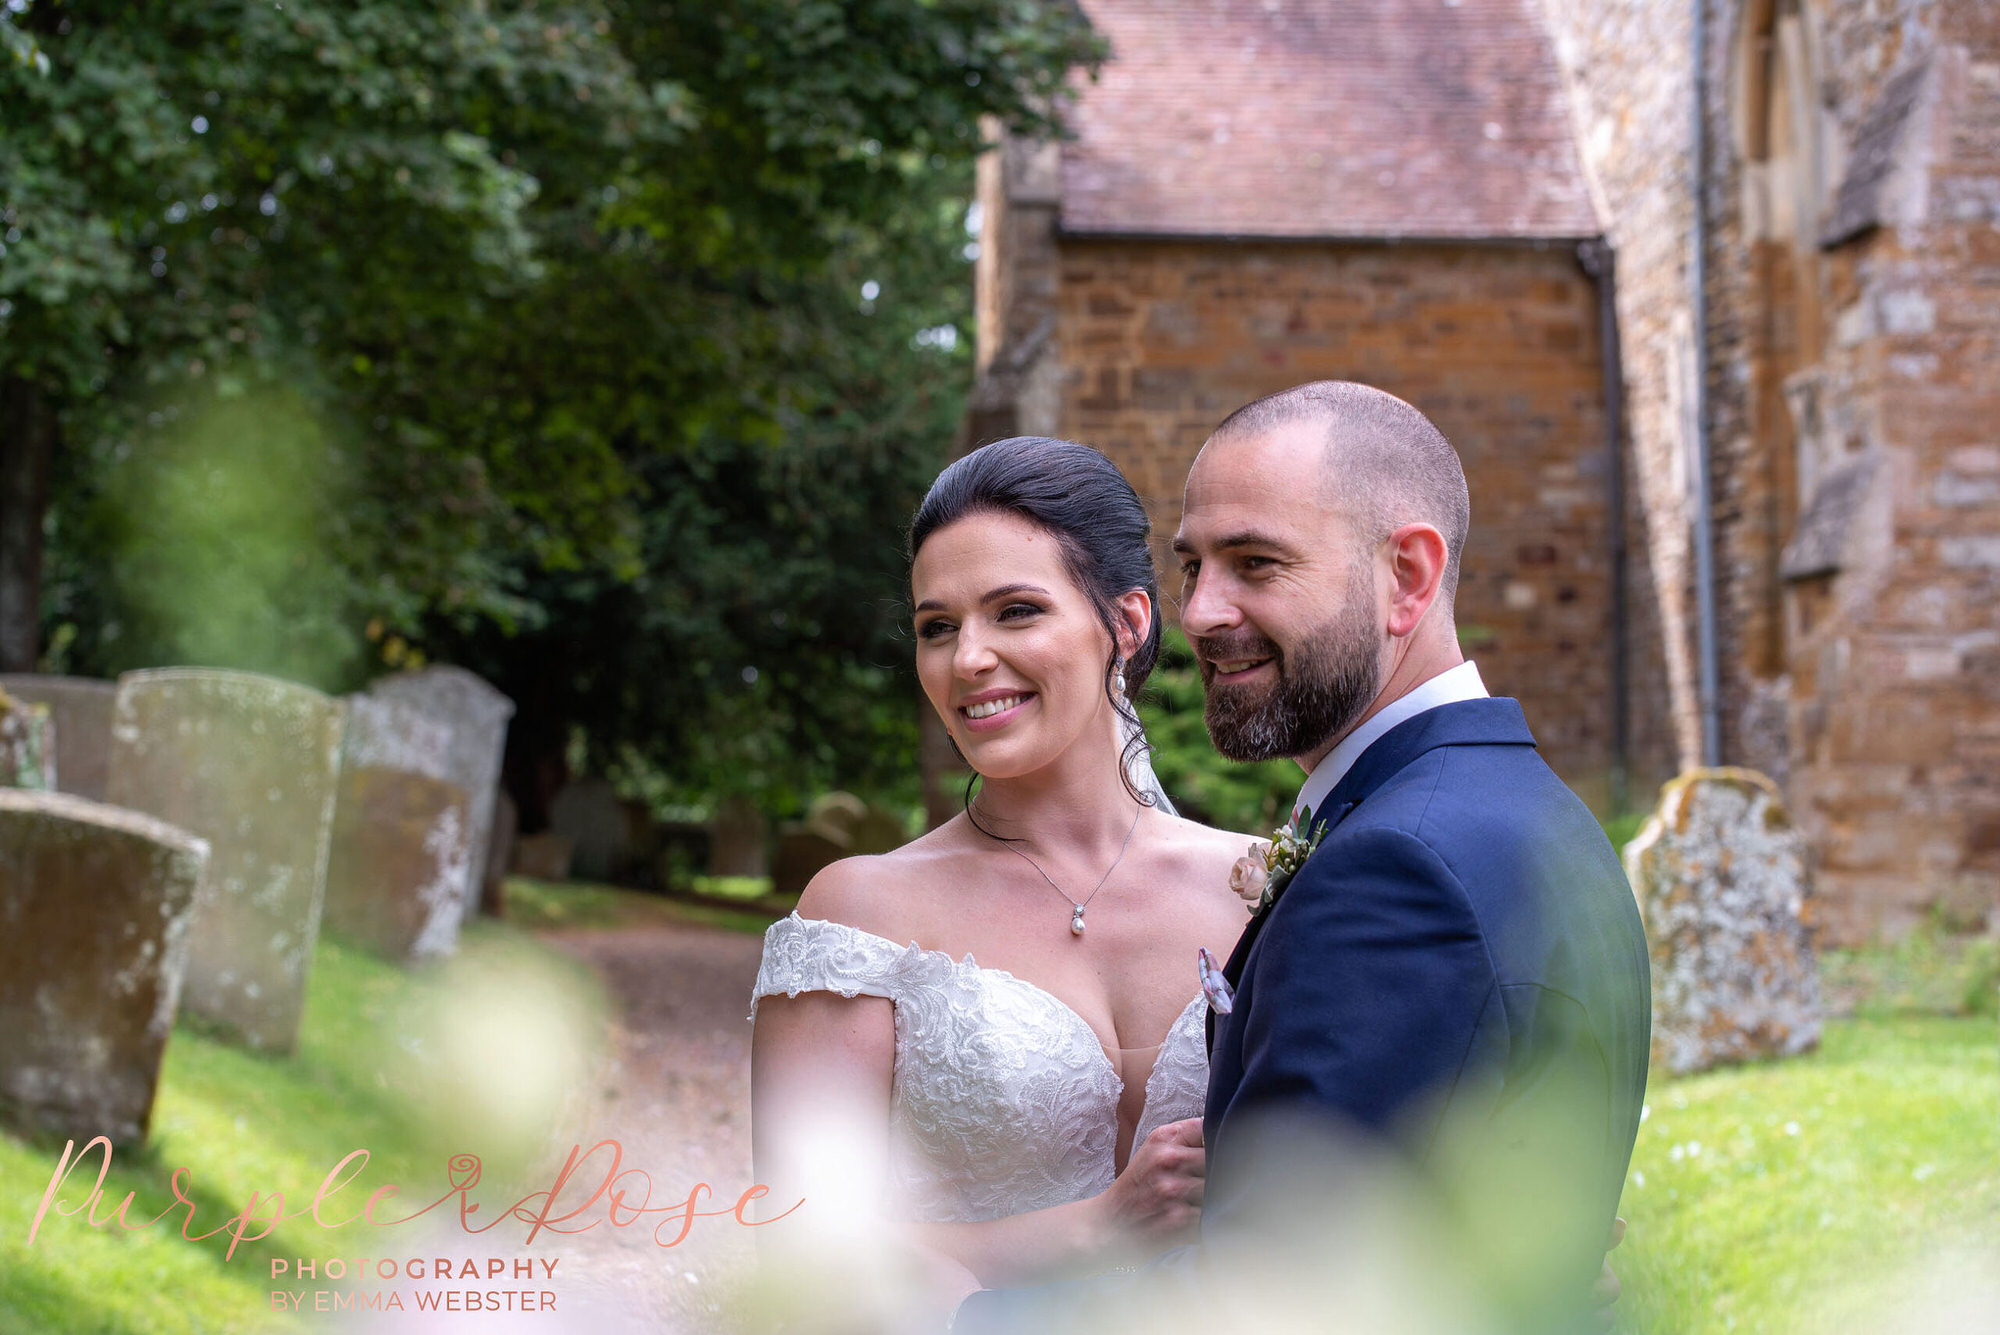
point(1895, 659)
point(1159, 340)
point(1629, 100)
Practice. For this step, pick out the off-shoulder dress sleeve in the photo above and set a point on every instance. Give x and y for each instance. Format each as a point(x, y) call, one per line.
point(813, 955)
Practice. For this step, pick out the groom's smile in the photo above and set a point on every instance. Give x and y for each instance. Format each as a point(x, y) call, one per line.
point(1233, 671)
point(1236, 661)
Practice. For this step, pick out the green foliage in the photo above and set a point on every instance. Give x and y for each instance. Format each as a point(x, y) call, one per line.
point(219, 545)
point(1623, 829)
point(571, 293)
point(205, 199)
point(1254, 799)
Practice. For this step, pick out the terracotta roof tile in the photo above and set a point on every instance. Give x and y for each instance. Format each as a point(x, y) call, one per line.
point(1373, 118)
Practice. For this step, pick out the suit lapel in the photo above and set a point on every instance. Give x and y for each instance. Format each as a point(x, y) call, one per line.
point(1495, 720)
point(1324, 821)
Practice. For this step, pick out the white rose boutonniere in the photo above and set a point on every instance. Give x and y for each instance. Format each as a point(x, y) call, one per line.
point(1261, 876)
point(1249, 874)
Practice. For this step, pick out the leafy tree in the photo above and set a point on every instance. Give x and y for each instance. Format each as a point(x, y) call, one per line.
point(206, 199)
point(550, 314)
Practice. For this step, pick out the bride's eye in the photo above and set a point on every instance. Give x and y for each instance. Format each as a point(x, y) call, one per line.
point(930, 630)
point(1017, 611)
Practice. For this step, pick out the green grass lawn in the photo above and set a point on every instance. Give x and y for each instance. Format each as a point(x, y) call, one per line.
point(1804, 1196)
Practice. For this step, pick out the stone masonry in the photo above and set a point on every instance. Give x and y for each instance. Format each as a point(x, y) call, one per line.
point(1209, 237)
point(1852, 195)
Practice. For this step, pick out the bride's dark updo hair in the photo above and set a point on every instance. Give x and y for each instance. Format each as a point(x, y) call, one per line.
point(1079, 498)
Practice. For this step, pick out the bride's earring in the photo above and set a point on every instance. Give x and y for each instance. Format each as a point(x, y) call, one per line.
point(1118, 677)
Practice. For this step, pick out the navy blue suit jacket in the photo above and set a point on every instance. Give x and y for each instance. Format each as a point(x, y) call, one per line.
point(1458, 971)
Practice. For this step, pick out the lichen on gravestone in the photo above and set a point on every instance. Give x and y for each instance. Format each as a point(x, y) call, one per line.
point(98, 902)
point(1723, 882)
point(248, 763)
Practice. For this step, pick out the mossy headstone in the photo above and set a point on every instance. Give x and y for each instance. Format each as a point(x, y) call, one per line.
point(249, 763)
point(1723, 882)
point(95, 908)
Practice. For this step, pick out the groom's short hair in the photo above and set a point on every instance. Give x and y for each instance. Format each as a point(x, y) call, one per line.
point(1385, 461)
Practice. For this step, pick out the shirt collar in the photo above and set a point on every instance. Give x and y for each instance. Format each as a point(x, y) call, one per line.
point(1447, 687)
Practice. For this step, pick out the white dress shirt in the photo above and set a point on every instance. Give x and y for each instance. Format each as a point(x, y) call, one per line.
point(1447, 687)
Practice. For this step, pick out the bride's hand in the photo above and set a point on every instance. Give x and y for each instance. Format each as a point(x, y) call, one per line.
point(1157, 1199)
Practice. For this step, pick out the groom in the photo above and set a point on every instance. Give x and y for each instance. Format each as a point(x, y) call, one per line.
point(1457, 974)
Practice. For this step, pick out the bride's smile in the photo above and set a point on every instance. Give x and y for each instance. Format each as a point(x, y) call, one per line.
point(993, 709)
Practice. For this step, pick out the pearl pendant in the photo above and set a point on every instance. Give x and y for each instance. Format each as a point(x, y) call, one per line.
point(1076, 922)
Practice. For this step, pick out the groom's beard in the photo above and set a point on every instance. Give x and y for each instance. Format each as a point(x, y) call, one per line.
point(1324, 683)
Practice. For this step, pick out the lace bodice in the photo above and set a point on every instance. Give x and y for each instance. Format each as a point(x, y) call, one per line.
point(1003, 1100)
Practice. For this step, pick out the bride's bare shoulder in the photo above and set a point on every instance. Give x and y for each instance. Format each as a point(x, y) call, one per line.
point(881, 893)
point(1205, 842)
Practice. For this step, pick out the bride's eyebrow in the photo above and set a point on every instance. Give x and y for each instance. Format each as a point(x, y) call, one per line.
point(993, 595)
point(1009, 590)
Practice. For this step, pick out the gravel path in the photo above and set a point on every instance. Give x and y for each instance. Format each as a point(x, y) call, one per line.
point(677, 1098)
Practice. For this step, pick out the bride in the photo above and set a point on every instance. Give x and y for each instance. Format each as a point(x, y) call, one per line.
point(1007, 1010)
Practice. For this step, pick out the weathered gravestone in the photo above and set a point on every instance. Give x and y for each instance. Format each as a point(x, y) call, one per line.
point(589, 813)
point(499, 856)
point(878, 831)
point(835, 814)
point(27, 744)
point(1722, 880)
point(81, 710)
point(95, 904)
point(737, 839)
point(837, 825)
point(802, 852)
point(543, 856)
point(250, 764)
point(385, 733)
point(475, 716)
point(401, 834)
point(401, 846)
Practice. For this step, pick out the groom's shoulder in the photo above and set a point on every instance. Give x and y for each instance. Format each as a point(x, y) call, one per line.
point(1489, 810)
point(1475, 768)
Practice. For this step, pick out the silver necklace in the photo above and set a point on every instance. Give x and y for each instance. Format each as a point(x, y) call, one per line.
point(1076, 917)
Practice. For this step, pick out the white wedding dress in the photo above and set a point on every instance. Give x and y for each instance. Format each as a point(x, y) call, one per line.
point(1003, 1099)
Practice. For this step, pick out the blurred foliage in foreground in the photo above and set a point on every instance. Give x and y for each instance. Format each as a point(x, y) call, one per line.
point(1798, 1197)
point(601, 346)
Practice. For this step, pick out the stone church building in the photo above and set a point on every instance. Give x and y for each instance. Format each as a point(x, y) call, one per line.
point(1724, 383)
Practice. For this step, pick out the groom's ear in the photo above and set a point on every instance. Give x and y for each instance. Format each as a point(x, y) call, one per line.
point(1133, 622)
point(1417, 556)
